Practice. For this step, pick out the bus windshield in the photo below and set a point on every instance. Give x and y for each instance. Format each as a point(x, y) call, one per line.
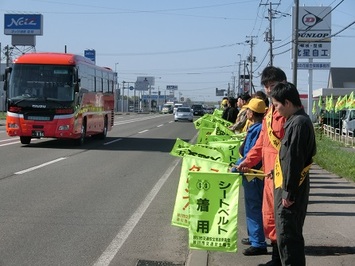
point(41, 82)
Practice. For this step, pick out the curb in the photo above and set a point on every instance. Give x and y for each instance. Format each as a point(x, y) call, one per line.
point(197, 258)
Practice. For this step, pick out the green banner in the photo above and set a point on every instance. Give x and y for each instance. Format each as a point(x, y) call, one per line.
point(230, 149)
point(214, 154)
point(221, 121)
point(203, 134)
point(191, 163)
point(213, 211)
point(207, 146)
point(218, 112)
point(204, 122)
point(220, 129)
point(178, 146)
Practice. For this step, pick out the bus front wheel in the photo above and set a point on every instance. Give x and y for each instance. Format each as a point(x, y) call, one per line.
point(103, 134)
point(25, 140)
point(80, 141)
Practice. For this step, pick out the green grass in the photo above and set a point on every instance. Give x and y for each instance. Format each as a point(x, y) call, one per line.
point(335, 157)
point(2, 115)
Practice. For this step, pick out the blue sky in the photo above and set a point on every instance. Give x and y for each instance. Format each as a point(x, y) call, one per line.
point(194, 44)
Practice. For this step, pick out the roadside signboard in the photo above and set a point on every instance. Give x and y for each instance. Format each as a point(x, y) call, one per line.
point(171, 87)
point(23, 24)
point(91, 54)
point(313, 65)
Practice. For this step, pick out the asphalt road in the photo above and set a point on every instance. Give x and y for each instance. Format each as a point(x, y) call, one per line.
point(108, 202)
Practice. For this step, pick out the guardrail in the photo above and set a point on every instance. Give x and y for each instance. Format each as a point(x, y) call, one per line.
point(347, 138)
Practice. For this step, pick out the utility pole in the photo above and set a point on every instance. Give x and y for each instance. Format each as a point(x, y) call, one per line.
point(268, 35)
point(244, 66)
point(269, 38)
point(295, 44)
point(7, 54)
point(251, 60)
point(239, 63)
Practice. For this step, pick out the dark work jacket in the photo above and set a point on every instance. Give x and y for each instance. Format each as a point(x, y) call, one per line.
point(298, 146)
point(230, 114)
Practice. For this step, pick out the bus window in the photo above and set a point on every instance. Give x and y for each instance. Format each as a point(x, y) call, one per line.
point(65, 93)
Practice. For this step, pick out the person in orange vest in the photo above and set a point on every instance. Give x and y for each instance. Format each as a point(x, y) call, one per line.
point(266, 149)
point(291, 174)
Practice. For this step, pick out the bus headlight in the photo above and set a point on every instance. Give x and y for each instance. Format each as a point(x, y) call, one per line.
point(63, 127)
point(13, 125)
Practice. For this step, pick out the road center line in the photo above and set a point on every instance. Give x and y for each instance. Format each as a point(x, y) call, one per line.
point(140, 132)
point(123, 234)
point(39, 166)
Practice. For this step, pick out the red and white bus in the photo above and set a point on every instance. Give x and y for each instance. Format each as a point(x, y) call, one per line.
point(58, 95)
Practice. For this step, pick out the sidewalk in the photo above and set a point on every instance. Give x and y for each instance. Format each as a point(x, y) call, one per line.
point(329, 229)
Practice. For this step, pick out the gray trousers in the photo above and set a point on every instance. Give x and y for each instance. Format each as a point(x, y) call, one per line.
point(289, 226)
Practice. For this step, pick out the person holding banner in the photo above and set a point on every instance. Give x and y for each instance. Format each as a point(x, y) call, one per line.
point(240, 123)
point(291, 174)
point(253, 186)
point(230, 112)
point(266, 149)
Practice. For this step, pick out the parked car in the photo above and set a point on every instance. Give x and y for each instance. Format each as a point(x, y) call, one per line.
point(348, 123)
point(197, 109)
point(183, 114)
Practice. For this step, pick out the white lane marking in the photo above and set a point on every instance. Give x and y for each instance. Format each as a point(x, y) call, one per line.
point(160, 125)
point(107, 143)
point(3, 140)
point(39, 166)
point(135, 120)
point(123, 234)
point(140, 132)
point(13, 142)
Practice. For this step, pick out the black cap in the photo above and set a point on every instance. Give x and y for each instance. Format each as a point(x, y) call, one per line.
point(244, 96)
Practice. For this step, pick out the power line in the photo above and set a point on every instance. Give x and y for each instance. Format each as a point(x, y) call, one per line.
point(172, 52)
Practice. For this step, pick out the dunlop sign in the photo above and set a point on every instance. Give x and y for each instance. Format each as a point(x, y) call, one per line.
point(314, 32)
point(314, 24)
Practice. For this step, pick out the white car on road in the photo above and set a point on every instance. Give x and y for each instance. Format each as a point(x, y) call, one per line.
point(183, 114)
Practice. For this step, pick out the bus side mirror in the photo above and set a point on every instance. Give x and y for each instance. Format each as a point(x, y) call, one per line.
point(8, 71)
point(76, 87)
point(76, 80)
